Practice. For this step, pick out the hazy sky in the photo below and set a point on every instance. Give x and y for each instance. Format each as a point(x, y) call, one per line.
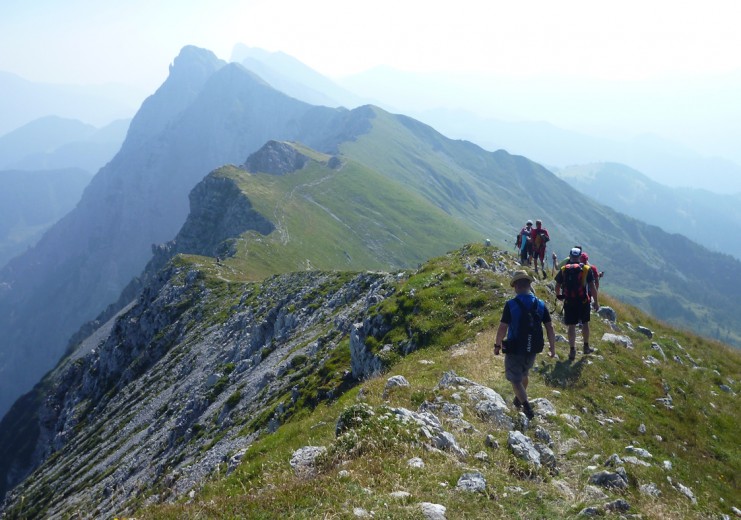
point(628, 43)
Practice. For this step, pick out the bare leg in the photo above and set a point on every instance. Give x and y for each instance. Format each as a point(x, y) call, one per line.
point(585, 332)
point(572, 336)
point(520, 390)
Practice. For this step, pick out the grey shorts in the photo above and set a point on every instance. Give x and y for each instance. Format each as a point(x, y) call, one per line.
point(517, 366)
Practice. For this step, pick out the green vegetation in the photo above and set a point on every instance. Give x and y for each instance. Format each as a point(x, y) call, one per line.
point(613, 393)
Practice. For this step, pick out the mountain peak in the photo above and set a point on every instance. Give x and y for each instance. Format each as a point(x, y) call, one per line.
point(276, 158)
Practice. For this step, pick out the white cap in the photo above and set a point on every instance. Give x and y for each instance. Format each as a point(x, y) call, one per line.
point(575, 252)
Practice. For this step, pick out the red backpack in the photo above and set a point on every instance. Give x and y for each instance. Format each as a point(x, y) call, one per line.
point(574, 281)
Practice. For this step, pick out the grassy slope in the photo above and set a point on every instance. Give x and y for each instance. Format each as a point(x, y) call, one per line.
point(698, 435)
point(666, 275)
point(349, 218)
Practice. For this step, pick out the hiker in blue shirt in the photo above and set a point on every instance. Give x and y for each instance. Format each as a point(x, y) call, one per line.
point(522, 321)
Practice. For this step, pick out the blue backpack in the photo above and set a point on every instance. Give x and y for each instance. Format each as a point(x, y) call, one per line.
point(528, 339)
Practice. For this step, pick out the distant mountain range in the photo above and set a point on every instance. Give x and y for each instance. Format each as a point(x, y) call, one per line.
point(705, 217)
point(53, 142)
point(208, 114)
point(416, 95)
point(31, 202)
point(24, 101)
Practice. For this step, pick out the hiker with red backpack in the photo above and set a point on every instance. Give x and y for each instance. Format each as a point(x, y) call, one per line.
point(522, 321)
point(524, 244)
point(575, 286)
point(584, 258)
point(539, 238)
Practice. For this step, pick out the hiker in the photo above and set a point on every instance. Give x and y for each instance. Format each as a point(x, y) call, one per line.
point(572, 283)
point(523, 243)
point(521, 321)
point(584, 258)
point(566, 260)
point(539, 238)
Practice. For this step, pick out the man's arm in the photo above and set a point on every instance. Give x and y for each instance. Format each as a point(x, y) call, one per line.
point(551, 338)
point(558, 290)
point(595, 296)
point(501, 332)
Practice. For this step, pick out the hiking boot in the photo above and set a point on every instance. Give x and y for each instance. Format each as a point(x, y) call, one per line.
point(517, 403)
point(528, 410)
point(572, 354)
point(588, 350)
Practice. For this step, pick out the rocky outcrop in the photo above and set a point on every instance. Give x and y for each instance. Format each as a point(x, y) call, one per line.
point(276, 158)
point(161, 393)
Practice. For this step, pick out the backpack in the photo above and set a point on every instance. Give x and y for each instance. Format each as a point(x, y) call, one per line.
point(529, 336)
point(540, 239)
point(574, 283)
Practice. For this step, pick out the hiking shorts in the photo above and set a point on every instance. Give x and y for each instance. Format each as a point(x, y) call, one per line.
point(517, 366)
point(539, 253)
point(575, 312)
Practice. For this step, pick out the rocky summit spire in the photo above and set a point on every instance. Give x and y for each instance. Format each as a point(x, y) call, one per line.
point(188, 73)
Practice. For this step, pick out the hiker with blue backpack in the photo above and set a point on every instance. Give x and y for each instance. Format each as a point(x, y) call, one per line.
point(575, 285)
point(522, 322)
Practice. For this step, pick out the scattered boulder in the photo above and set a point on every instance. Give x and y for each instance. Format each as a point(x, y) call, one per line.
point(547, 457)
point(608, 479)
point(594, 493)
point(472, 482)
point(683, 490)
point(568, 445)
point(564, 489)
point(359, 512)
point(650, 489)
point(619, 505)
point(642, 428)
point(481, 456)
point(523, 447)
point(658, 349)
point(415, 462)
point(616, 339)
point(614, 461)
point(432, 511)
point(639, 452)
point(543, 407)
point(590, 511)
point(303, 460)
point(667, 465)
point(483, 264)
point(495, 413)
point(607, 313)
point(400, 495)
point(636, 461)
point(543, 435)
point(394, 382)
point(645, 331)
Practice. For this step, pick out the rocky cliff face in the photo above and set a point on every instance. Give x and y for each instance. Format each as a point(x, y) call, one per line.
point(205, 115)
point(170, 388)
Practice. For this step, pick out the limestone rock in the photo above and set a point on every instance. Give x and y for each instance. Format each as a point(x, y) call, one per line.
point(607, 313)
point(608, 479)
point(683, 490)
point(640, 452)
point(650, 489)
point(645, 331)
point(594, 493)
point(619, 505)
point(543, 407)
point(616, 339)
point(303, 460)
point(472, 482)
point(416, 462)
point(432, 511)
point(394, 382)
point(523, 447)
